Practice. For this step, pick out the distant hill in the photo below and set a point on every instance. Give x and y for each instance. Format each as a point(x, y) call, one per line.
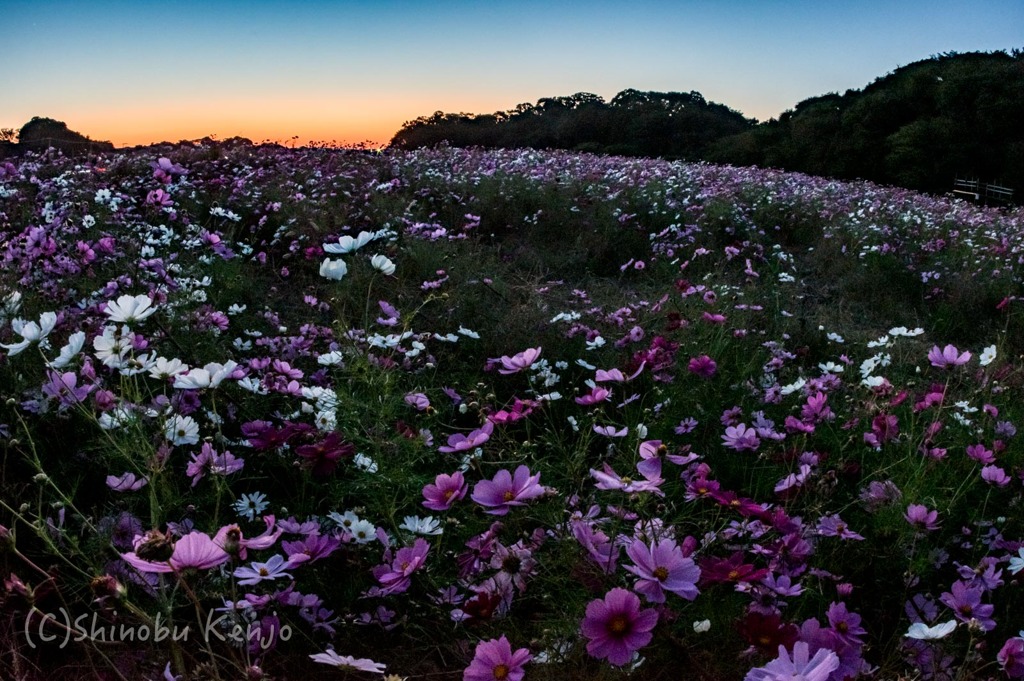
point(920, 126)
point(41, 133)
point(634, 123)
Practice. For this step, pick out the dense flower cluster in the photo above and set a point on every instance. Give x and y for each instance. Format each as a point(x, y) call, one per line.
point(234, 377)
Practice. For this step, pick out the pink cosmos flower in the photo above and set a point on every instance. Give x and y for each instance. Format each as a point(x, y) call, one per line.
point(507, 490)
point(610, 480)
point(662, 567)
point(461, 443)
point(611, 431)
point(800, 666)
point(920, 517)
point(126, 482)
point(348, 662)
point(594, 397)
point(617, 627)
point(494, 661)
point(616, 375)
point(445, 491)
point(194, 550)
point(519, 361)
point(418, 401)
point(948, 357)
point(980, 454)
point(740, 437)
point(231, 539)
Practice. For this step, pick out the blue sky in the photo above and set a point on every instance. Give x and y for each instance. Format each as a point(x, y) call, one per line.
point(136, 72)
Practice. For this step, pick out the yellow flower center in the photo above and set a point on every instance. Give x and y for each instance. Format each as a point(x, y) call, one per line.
point(618, 625)
point(501, 672)
point(661, 573)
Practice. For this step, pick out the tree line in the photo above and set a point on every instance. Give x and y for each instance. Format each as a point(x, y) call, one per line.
point(920, 126)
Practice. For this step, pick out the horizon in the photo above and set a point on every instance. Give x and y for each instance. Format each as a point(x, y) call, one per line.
point(350, 72)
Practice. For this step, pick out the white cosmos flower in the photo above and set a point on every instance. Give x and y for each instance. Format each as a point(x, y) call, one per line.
point(347, 244)
point(332, 358)
point(210, 376)
point(67, 353)
point(10, 306)
point(165, 368)
point(31, 332)
point(333, 269)
point(988, 355)
point(129, 309)
point(112, 347)
point(365, 463)
point(182, 430)
point(923, 632)
point(383, 264)
point(363, 531)
point(428, 526)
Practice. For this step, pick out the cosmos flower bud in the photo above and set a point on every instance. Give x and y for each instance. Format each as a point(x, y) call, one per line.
point(107, 586)
point(6, 540)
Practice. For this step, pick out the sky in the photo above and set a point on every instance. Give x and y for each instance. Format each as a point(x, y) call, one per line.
point(139, 72)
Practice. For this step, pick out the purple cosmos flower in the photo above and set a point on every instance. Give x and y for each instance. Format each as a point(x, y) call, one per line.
point(662, 567)
point(126, 482)
point(1011, 657)
point(845, 624)
point(64, 388)
point(965, 601)
point(611, 431)
point(209, 461)
point(272, 569)
point(920, 517)
point(994, 475)
point(947, 357)
point(461, 443)
point(800, 666)
point(834, 526)
point(310, 548)
point(980, 454)
point(739, 437)
point(396, 577)
point(495, 661)
point(519, 361)
point(445, 491)
point(617, 627)
point(610, 480)
point(507, 490)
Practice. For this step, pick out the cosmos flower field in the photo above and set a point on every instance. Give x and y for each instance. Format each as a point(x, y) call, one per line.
point(455, 414)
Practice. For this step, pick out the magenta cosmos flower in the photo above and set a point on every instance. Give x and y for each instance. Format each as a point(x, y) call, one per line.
point(445, 491)
point(617, 627)
point(662, 567)
point(495, 661)
point(507, 490)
